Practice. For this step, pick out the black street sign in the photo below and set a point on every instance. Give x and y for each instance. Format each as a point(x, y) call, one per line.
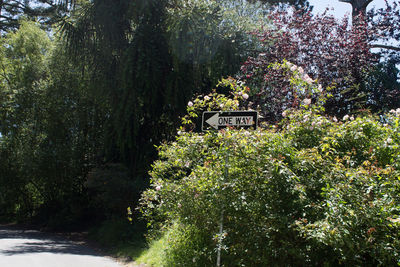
point(222, 119)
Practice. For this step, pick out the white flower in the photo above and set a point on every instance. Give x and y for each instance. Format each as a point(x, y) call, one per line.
point(335, 119)
point(240, 93)
point(158, 187)
point(206, 98)
point(180, 133)
point(221, 105)
point(301, 70)
point(307, 79)
point(389, 140)
point(352, 118)
point(345, 117)
point(293, 68)
point(392, 111)
point(284, 113)
point(307, 101)
point(398, 111)
point(245, 96)
point(319, 88)
point(190, 104)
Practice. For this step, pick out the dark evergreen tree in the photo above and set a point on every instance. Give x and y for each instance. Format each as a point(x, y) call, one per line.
point(46, 11)
point(146, 59)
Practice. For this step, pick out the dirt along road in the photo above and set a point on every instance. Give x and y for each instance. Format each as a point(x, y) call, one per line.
point(21, 248)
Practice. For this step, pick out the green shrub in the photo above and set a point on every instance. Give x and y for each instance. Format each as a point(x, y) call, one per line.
point(312, 191)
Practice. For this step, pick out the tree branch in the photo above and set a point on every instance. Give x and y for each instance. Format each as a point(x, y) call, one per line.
point(389, 47)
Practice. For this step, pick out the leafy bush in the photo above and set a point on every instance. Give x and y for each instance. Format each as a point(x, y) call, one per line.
point(313, 191)
point(111, 190)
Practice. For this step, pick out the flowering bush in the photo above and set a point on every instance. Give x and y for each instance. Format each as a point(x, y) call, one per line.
point(318, 191)
point(238, 94)
point(285, 86)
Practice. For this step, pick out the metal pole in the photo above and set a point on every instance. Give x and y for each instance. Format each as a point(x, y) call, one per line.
point(221, 228)
point(221, 219)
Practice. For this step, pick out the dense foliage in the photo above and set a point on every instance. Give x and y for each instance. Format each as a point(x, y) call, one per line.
point(49, 136)
point(315, 191)
point(47, 12)
point(82, 107)
point(147, 62)
point(333, 52)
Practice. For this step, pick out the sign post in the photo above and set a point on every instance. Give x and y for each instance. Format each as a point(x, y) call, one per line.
point(222, 119)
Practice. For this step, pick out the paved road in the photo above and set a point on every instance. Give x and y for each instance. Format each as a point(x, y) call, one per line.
point(30, 248)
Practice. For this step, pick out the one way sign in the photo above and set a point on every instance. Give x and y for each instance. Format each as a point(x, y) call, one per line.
point(221, 119)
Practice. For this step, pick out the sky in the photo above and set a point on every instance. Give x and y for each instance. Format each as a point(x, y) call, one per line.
point(340, 8)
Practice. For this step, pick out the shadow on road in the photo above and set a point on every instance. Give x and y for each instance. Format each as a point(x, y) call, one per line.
point(17, 241)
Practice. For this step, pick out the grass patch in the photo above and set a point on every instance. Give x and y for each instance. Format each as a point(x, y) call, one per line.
point(122, 239)
point(154, 254)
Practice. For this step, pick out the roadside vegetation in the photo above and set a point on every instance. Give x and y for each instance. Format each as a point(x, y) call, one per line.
point(100, 114)
point(312, 190)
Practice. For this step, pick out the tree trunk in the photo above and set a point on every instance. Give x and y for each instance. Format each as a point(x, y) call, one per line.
point(1, 6)
point(358, 6)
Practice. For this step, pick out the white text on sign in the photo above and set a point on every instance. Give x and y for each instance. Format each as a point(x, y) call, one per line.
point(235, 121)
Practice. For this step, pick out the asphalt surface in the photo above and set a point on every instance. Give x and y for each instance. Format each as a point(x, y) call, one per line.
point(31, 248)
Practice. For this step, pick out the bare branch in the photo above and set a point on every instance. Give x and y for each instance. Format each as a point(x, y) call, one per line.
point(389, 47)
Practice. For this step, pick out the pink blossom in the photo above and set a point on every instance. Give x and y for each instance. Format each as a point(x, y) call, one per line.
point(307, 101)
point(307, 79)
